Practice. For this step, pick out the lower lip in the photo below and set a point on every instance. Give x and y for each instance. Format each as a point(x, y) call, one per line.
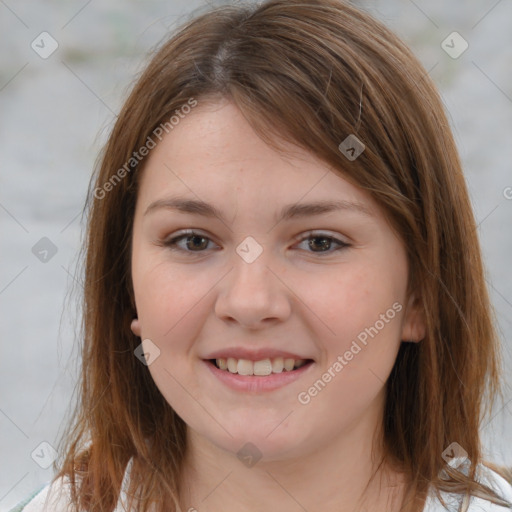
point(256, 383)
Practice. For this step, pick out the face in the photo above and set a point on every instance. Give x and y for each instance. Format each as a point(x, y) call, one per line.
point(327, 287)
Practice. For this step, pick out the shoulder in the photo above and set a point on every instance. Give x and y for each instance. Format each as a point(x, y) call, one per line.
point(56, 496)
point(486, 476)
point(52, 497)
point(502, 487)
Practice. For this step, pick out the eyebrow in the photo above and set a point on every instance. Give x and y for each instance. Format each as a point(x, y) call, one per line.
point(199, 207)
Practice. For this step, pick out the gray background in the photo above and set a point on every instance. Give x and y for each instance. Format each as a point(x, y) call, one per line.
point(56, 114)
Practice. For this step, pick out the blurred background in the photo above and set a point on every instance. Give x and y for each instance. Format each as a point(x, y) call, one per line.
point(65, 67)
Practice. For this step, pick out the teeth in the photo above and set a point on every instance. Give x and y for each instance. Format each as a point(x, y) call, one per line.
point(232, 365)
point(244, 367)
point(277, 365)
point(288, 364)
point(261, 368)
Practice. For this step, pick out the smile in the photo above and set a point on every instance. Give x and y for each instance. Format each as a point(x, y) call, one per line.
point(260, 368)
point(253, 382)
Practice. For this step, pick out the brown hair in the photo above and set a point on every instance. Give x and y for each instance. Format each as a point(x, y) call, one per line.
point(311, 72)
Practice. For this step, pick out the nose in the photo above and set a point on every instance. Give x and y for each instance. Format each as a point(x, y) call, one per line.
point(253, 294)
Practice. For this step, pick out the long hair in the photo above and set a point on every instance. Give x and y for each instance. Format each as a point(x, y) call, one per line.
point(312, 72)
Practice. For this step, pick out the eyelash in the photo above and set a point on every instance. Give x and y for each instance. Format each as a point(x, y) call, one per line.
point(172, 242)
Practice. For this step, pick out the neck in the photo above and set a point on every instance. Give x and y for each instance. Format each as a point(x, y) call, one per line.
point(343, 475)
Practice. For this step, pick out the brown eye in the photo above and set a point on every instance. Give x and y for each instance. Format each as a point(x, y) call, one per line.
point(323, 243)
point(323, 246)
point(194, 242)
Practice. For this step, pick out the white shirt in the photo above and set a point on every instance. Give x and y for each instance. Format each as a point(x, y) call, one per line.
point(55, 497)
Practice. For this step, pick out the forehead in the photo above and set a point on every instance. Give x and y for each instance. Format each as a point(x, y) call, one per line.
point(213, 153)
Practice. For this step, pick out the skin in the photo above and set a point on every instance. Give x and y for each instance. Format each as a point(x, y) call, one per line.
point(292, 297)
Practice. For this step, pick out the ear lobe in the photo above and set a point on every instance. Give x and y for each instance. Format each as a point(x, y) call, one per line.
point(135, 327)
point(414, 325)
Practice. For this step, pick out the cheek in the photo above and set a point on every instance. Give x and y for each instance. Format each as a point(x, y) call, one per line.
point(164, 293)
point(354, 299)
point(363, 309)
point(362, 313)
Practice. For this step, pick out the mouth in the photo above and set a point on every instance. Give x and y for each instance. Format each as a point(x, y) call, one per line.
point(255, 377)
point(262, 368)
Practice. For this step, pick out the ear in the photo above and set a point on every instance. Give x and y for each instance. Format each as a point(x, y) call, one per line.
point(413, 326)
point(135, 327)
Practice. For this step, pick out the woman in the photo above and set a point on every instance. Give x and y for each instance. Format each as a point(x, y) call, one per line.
point(267, 373)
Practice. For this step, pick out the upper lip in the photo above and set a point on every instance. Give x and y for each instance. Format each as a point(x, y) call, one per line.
point(253, 354)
